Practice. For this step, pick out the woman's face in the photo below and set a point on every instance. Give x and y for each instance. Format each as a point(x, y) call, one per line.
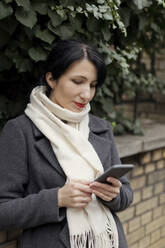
point(76, 87)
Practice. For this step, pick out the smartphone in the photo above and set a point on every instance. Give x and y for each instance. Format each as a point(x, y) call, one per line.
point(116, 171)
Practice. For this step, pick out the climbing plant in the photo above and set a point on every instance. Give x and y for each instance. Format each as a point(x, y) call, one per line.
point(121, 30)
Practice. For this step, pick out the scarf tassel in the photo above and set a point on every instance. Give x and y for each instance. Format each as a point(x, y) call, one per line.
point(91, 240)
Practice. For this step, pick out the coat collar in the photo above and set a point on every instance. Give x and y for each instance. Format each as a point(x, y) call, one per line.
point(97, 125)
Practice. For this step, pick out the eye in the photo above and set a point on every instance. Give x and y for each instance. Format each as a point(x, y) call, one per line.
point(76, 81)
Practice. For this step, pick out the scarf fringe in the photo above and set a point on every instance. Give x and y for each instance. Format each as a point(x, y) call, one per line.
point(91, 240)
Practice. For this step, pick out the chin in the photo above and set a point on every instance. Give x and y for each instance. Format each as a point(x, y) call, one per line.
point(76, 110)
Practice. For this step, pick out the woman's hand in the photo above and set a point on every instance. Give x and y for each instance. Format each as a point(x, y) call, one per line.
point(75, 194)
point(106, 192)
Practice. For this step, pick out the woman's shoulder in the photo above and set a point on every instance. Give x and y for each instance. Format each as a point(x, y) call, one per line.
point(98, 124)
point(21, 122)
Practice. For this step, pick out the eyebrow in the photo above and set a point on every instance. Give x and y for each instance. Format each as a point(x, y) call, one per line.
point(84, 77)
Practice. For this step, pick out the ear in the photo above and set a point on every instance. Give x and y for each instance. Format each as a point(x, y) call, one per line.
point(49, 79)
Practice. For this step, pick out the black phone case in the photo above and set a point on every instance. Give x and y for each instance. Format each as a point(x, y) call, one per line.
point(116, 171)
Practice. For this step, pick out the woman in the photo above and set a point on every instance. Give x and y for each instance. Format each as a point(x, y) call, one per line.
point(50, 156)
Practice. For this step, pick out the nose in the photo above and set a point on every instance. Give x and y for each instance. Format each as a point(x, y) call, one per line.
point(85, 93)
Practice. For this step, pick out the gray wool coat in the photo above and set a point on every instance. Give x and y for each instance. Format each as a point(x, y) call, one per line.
point(30, 177)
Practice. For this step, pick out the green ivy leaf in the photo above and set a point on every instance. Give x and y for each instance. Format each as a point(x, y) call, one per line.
point(76, 25)
point(45, 35)
point(55, 19)
point(5, 10)
point(100, 1)
point(40, 7)
point(142, 3)
point(108, 15)
point(8, 1)
point(37, 54)
point(125, 14)
point(25, 4)
point(106, 33)
point(66, 31)
point(93, 25)
point(27, 18)
point(107, 104)
point(23, 64)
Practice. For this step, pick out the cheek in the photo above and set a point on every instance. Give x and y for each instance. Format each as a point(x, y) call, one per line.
point(68, 93)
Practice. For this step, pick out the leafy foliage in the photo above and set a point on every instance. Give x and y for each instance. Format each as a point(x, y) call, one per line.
point(122, 31)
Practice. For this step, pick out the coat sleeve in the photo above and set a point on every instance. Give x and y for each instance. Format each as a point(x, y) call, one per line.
point(16, 209)
point(125, 197)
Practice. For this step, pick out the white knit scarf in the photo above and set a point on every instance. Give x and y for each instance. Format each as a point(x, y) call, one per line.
point(94, 224)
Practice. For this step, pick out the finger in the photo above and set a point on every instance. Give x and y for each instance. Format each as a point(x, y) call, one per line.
point(81, 200)
point(102, 196)
point(82, 187)
point(114, 181)
point(104, 186)
point(80, 205)
point(76, 192)
point(105, 192)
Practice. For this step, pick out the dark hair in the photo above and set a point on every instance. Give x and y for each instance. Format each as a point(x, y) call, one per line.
point(68, 51)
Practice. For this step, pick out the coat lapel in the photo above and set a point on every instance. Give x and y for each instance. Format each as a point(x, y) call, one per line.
point(44, 147)
point(101, 145)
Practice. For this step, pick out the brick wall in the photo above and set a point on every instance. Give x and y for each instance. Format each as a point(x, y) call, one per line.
point(144, 220)
point(152, 108)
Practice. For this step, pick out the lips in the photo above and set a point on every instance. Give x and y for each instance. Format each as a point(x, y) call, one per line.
point(80, 105)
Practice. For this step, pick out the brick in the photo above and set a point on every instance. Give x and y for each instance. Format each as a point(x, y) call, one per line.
point(155, 177)
point(126, 214)
point(154, 225)
point(146, 158)
point(152, 178)
point(162, 198)
point(155, 236)
point(3, 236)
point(159, 244)
point(158, 188)
point(135, 245)
point(160, 164)
point(146, 218)
point(137, 171)
point(138, 182)
point(145, 242)
point(135, 236)
point(163, 210)
point(134, 224)
point(157, 212)
point(157, 155)
point(150, 167)
point(162, 231)
point(161, 175)
point(163, 153)
point(147, 192)
point(146, 205)
point(136, 197)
